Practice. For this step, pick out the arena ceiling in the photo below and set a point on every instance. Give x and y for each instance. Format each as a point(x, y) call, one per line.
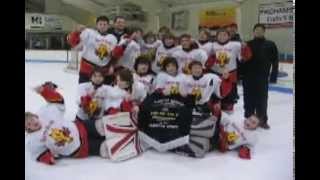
point(97, 6)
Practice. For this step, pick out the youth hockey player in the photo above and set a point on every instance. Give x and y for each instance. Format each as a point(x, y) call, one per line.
point(92, 96)
point(166, 49)
point(189, 52)
point(99, 49)
point(204, 43)
point(143, 72)
point(206, 111)
point(131, 92)
point(149, 43)
point(132, 50)
point(224, 64)
point(201, 86)
point(238, 135)
point(168, 81)
point(50, 136)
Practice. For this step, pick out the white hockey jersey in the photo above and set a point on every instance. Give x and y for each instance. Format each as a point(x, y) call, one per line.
point(165, 81)
point(146, 80)
point(207, 47)
point(184, 58)
point(237, 135)
point(202, 88)
point(226, 56)
point(146, 47)
point(57, 135)
point(117, 95)
point(99, 96)
point(161, 53)
point(96, 48)
point(130, 54)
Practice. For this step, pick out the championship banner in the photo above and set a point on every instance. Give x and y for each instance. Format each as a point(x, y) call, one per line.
point(164, 121)
point(275, 15)
point(216, 18)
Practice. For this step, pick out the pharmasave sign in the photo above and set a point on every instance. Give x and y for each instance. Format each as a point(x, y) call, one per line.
point(275, 15)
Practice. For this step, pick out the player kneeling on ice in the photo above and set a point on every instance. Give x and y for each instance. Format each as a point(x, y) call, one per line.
point(131, 92)
point(237, 135)
point(50, 136)
point(206, 111)
point(143, 72)
point(168, 81)
point(92, 96)
point(167, 48)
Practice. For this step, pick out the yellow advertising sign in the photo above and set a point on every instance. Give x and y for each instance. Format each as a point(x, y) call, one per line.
point(217, 17)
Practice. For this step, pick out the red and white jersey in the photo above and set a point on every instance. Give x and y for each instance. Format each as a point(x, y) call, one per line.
point(57, 135)
point(161, 53)
point(237, 135)
point(226, 56)
point(207, 47)
point(165, 81)
point(202, 88)
point(146, 80)
point(138, 91)
point(99, 96)
point(184, 58)
point(96, 48)
point(130, 54)
point(117, 95)
point(146, 47)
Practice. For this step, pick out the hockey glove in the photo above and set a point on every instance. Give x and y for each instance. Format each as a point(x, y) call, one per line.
point(244, 152)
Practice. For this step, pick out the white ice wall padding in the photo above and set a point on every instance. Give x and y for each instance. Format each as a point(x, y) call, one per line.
point(46, 55)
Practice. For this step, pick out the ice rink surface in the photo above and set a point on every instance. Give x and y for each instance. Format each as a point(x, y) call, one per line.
point(272, 157)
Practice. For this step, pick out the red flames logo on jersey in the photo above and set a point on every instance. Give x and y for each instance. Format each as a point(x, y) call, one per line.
point(232, 137)
point(223, 59)
point(186, 69)
point(102, 51)
point(196, 92)
point(174, 89)
point(161, 60)
point(61, 136)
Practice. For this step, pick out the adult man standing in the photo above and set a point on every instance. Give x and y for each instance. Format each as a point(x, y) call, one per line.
point(256, 75)
point(119, 27)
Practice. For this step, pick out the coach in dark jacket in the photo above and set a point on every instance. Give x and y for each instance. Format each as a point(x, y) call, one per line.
point(119, 27)
point(256, 73)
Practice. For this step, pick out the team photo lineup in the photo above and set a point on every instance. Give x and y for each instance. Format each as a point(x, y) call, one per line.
point(140, 91)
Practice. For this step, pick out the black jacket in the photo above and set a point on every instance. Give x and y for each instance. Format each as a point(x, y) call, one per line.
point(264, 56)
point(117, 35)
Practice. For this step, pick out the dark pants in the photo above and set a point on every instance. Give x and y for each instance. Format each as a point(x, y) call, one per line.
point(94, 138)
point(255, 95)
point(239, 71)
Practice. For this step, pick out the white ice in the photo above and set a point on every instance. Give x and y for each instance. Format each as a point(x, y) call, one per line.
point(272, 158)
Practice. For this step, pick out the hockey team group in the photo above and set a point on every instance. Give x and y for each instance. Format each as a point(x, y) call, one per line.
point(161, 92)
